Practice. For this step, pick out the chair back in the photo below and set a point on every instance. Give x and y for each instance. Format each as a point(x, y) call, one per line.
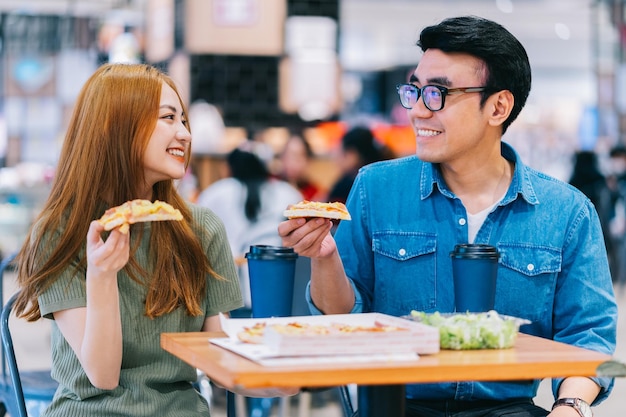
point(5, 265)
point(9, 354)
point(25, 393)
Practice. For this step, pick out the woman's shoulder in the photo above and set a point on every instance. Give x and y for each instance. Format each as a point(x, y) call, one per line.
point(199, 212)
point(204, 216)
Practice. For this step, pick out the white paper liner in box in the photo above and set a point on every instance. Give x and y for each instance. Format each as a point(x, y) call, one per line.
point(417, 338)
point(266, 356)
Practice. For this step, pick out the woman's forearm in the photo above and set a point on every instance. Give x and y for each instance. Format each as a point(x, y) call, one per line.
point(101, 349)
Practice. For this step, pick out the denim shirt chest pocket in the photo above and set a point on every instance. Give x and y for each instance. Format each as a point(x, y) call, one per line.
point(405, 265)
point(526, 280)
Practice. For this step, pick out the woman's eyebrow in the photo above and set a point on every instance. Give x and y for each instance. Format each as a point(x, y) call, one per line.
point(168, 106)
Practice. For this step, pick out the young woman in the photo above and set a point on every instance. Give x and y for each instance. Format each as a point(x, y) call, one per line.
point(110, 295)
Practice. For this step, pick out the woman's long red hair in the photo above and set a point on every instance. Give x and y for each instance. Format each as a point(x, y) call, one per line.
point(101, 166)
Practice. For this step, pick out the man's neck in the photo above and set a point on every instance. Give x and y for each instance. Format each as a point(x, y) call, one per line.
point(480, 188)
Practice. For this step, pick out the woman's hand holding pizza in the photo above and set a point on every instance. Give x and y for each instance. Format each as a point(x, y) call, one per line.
point(106, 257)
point(111, 256)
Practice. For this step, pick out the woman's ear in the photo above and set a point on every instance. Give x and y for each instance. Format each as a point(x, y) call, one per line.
point(500, 106)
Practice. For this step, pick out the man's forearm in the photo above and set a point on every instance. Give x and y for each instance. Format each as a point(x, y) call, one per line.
point(579, 387)
point(331, 291)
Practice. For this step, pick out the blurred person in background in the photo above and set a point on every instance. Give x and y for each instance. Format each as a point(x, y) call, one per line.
point(358, 148)
point(617, 184)
point(208, 139)
point(295, 161)
point(111, 294)
point(250, 202)
point(587, 177)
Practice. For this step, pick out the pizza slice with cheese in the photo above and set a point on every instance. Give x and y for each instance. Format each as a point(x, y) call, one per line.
point(255, 334)
point(136, 211)
point(305, 208)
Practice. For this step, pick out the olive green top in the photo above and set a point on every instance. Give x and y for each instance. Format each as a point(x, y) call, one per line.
point(152, 381)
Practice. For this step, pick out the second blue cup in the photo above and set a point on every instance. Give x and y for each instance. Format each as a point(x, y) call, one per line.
point(475, 270)
point(272, 272)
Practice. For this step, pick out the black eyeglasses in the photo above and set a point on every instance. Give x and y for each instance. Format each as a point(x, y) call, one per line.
point(433, 96)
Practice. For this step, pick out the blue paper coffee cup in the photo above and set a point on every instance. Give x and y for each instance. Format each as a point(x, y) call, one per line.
point(272, 271)
point(475, 271)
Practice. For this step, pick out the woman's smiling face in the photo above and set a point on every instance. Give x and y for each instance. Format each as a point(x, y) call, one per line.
point(166, 153)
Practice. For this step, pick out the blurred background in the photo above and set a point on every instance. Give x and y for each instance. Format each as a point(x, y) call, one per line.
point(262, 69)
point(319, 66)
point(322, 65)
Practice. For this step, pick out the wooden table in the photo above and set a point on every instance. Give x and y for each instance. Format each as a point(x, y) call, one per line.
point(531, 358)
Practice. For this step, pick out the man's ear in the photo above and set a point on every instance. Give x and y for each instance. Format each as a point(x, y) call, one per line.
point(500, 106)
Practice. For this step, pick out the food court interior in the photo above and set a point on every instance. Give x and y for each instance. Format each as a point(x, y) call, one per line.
point(271, 65)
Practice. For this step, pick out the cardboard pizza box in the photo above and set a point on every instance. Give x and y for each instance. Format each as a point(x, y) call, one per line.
point(405, 337)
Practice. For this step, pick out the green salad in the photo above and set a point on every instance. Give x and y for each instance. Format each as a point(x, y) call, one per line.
point(464, 331)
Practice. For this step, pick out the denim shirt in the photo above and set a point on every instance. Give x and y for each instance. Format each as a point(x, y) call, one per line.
point(553, 268)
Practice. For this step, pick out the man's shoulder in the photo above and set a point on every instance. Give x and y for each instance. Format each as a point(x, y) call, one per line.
point(545, 180)
point(549, 189)
point(392, 165)
point(386, 180)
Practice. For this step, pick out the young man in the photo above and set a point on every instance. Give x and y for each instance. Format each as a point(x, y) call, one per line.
point(466, 185)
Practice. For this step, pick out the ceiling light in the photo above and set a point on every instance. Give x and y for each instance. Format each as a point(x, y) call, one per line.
point(562, 31)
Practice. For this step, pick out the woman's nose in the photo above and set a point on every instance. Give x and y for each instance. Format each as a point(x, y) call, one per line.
point(183, 135)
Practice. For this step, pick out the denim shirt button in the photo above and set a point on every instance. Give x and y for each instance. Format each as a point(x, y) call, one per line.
point(402, 252)
point(530, 267)
point(462, 222)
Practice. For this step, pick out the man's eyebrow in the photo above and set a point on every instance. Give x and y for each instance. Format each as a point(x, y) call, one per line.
point(440, 81)
point(436, 80)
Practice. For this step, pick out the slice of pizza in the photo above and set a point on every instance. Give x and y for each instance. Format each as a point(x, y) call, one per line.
point(335, 210)
point(254, 334)
point(136, 211)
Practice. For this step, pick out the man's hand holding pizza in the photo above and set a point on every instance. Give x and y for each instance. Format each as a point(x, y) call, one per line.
point(310, 235)
point(308, 227)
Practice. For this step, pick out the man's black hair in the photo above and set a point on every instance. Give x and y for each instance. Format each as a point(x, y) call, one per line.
point(506, 61)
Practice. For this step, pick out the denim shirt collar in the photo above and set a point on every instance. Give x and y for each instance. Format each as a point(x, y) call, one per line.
point(520, 185)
